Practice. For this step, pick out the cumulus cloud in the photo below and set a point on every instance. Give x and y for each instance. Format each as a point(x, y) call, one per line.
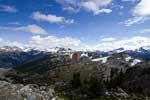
point(6, 8)
point(142, 9)
point(35, 29)
point(51, 18)
point(32, 28)
point(140, 13)
point(95, 6)
point(49, 42)
point(44, 43)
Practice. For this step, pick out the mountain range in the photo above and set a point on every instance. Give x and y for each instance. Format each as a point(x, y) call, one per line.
point(128, 70)
point(13, 56)
point(142, 52)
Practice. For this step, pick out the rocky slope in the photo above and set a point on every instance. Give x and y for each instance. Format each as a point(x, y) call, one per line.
point(142, 52)
point(10, 91)
point(119, 61)
point(88, 79)
point(135, 71)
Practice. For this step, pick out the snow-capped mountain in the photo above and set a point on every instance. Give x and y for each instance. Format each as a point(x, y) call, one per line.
point(142, 52)
point(54, 49)
point(13, 56)
point(10, 49)
point(28, 49)
point(119, 60)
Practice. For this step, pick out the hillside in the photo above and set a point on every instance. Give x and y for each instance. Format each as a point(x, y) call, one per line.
point(118, 75)
point(13, 56)
point(112, 72)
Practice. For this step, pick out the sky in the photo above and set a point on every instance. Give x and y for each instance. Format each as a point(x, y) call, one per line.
point(77, 24)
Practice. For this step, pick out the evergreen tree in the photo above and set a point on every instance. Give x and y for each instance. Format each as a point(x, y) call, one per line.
point(76, 82)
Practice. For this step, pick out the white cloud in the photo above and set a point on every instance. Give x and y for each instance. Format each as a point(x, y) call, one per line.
point(142, 9)
point(135, 20)
point(51, 18)
point(44, 43)
point(128, 44)
point(92, 6)
point(71, 9)
point(104, 11)
point(140, 13)
point(48, 42)
point(10, 43)
point(95, 6)
point(32, 28)
point(108, 39)
point(6, 8)
point(35, 29)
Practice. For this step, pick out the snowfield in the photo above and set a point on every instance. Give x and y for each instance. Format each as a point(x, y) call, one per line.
point(135, 61)
point(104, 59)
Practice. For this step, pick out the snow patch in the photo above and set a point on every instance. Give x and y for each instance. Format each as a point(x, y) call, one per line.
point(135, 61)
point(128, 58)
point(104, 59)
point(84, 55)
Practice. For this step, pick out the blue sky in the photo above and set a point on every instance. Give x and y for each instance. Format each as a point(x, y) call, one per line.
point(79, 24)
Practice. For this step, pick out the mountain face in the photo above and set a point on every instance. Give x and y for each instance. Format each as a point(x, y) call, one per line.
point(51, 66)
point(119, 68)
point(137, 78)
point(143, 52)
point(13, 56)
point(135, 71)
point(134, 78)
point(119, 60)
point(73, 79)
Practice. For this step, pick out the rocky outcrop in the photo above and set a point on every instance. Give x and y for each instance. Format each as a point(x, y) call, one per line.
point(10, 91)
